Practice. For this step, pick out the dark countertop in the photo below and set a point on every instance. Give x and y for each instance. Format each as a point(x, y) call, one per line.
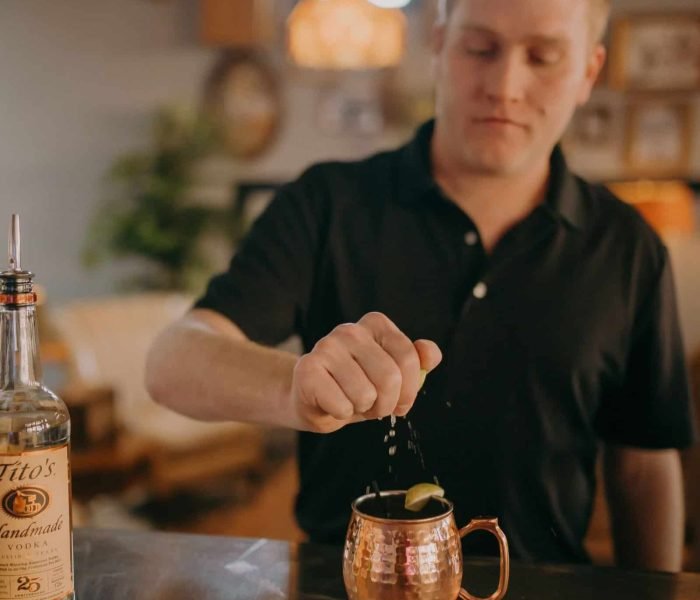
point(126, 565)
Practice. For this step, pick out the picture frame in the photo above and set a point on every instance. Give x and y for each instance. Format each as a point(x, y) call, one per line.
point(593, 142)
point(592, 126)
point(242, 95)
point(656, 52)
point(658, 138)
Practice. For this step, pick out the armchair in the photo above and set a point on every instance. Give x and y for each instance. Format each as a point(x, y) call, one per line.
point(107, 340)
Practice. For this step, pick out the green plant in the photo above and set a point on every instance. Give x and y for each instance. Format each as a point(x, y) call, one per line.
point(150, 212)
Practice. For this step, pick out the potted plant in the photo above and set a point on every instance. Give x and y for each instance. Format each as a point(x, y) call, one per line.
point(151, 213)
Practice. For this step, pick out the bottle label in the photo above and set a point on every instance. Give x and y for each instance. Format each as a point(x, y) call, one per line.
point(36, 558)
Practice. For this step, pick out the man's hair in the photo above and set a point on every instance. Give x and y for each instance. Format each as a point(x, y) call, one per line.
point(600, 14)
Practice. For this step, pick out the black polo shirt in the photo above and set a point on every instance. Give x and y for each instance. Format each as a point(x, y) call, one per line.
point(565, 335)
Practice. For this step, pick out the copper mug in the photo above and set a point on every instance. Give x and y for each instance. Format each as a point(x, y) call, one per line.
point(396, 557)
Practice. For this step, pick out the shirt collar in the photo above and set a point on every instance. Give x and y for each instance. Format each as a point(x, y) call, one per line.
point(565, 198)
point(416, 175)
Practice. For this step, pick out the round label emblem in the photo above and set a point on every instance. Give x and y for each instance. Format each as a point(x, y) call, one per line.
point(25, 502)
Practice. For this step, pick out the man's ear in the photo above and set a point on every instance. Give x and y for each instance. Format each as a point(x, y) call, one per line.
point(593, 68)
point(437, 40)
point(437, 37)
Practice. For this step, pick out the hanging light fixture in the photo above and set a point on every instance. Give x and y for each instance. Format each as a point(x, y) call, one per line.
point(390, 3)
point(345, 34)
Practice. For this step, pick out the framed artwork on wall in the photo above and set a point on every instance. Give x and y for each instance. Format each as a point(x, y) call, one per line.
point(656, 53)
point(593, 141)
point(592, 126)
point(243, 96)
point(658, 138)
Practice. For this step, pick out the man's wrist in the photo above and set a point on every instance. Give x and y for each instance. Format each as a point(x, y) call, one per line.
point(286, 409)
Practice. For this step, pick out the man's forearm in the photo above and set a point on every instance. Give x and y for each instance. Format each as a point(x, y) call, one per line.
point(645, 496)
point(204, 367)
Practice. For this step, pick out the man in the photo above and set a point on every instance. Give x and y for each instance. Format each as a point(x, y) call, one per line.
point(551, 301)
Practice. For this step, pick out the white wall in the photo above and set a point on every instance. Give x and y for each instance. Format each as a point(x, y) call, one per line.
point(79, 80)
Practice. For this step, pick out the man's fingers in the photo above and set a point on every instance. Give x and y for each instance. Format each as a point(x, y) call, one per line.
point(405, 361)
point(402, 388)
point(320, 390)
point(329, 397)
point(354, 348)
point(429, 357)
point(364, 370)
point(429, 354)
point(355, 385)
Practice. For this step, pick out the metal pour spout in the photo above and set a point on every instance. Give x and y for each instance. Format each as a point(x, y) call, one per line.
point(14, 281)
point(14, 249)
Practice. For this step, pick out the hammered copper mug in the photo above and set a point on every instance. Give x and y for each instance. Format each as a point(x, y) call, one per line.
point(396, 557)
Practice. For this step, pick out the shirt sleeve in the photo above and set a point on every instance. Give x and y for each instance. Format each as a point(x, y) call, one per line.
point(653, 408)
point(267, 287)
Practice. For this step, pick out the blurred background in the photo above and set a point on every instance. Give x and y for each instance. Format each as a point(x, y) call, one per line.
point(140, 138)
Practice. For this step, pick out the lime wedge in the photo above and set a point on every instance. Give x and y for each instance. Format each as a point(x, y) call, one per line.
point(417, 496)
point(423, 373)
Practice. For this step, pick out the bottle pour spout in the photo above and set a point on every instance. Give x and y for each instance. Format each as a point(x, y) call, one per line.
point(14, 247)
point(15, 283)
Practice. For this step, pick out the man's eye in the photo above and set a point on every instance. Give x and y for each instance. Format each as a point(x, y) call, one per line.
point(545, 58)
point(481, 51)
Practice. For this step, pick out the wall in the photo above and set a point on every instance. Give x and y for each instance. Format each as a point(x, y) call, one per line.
point(79, 80)
point(684, 251)
point(609, 165)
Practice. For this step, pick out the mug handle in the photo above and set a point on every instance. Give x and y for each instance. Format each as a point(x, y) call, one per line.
point(490, 524)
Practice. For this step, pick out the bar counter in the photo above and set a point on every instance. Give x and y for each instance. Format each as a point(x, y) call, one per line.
point(127, 565)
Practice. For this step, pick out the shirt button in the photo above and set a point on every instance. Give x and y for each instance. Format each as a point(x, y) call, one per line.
point(471, 238)
point(480, 290)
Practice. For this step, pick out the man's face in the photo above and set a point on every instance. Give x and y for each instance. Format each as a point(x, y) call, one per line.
point(509, 75)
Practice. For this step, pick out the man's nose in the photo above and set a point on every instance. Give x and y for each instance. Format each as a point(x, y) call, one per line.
point(506, 80)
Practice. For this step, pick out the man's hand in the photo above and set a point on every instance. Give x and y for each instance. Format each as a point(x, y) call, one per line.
point(359, 371)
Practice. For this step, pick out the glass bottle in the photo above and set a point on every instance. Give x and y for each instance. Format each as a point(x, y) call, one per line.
point(36, 547)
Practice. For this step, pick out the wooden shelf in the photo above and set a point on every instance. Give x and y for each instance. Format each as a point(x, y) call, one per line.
point(235, 23)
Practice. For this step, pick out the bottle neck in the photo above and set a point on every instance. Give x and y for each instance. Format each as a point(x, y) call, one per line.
point(19, 347)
